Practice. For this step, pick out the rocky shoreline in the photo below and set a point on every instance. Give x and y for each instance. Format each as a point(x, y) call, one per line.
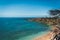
point(53, 23)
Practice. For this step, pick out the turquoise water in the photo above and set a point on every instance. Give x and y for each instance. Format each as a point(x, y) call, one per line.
point(32, 37)
point(20, 29)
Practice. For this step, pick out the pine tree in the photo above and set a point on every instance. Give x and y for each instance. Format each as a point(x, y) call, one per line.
point(55, 13)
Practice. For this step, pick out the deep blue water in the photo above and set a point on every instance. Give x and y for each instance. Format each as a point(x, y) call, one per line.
point(14, 28)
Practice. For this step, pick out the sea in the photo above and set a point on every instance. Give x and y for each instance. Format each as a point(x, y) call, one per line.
point(21, 29)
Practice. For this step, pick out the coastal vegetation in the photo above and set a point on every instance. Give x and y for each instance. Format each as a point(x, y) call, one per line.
point(54, 18)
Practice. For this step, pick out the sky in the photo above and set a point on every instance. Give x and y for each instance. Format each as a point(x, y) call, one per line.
point(27, 8)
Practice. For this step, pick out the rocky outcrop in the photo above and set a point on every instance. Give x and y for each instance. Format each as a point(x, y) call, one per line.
point(49, 21)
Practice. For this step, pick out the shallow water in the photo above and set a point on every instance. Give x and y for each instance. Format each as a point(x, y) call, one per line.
point(20, 29)
point(32, 37)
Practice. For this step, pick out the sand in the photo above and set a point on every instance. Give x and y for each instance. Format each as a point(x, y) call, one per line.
point(47, 36)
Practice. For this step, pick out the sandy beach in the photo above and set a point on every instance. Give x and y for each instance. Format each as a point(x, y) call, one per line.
point(44, 37)
point(47, 36)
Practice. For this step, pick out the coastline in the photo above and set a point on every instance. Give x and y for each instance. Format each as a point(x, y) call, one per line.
point(47, 36)
point(32, 37)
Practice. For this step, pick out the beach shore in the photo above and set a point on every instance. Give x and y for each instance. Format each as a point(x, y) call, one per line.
point(47, 36)
point(44, 37)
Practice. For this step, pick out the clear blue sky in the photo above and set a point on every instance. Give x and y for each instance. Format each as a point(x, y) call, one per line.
point(27, 8)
